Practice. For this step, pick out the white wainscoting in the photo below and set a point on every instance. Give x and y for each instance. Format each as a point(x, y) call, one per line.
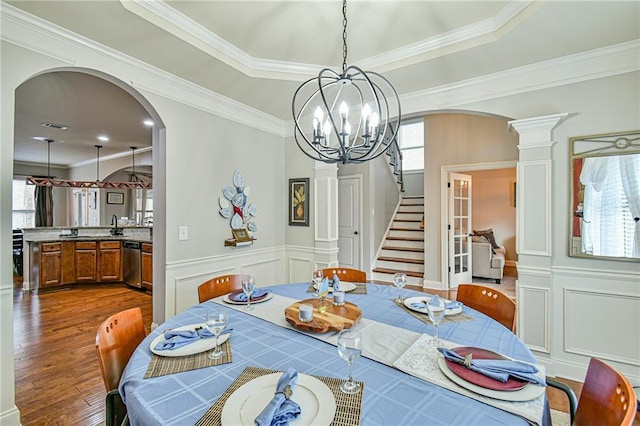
point(600, 324)
point(301, 262)
point(270, 266)
point(184, 277)
point(533, 317)
point(598, 315)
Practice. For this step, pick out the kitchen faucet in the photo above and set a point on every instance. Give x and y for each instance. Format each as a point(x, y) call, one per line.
point(116, 230)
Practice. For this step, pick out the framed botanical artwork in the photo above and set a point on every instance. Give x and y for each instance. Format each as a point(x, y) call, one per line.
point(299, 202)
point(115, 198)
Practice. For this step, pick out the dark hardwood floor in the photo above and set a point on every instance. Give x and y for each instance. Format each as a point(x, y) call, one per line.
point(58, 379)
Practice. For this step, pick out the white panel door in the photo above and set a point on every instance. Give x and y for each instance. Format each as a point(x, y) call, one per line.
point(349, 238)
point(459, 227)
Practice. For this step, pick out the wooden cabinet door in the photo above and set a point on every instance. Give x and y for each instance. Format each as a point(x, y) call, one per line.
point(147, 266)
point(110, 261)
point(50, 268)
point(86, 261)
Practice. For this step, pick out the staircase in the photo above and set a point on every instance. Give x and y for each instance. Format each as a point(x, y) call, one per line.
point(403, 247)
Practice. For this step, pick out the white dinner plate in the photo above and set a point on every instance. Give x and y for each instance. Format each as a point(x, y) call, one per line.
point(529, 392)
point(196, 347)
point(408, 301)
point(345, 286)
point(226, 299)
point(316, 401)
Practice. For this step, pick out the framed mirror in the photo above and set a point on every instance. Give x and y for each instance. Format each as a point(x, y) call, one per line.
point(605, 196)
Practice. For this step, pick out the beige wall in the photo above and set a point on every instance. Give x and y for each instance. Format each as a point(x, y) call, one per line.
point(493, 205)
point(456, 139)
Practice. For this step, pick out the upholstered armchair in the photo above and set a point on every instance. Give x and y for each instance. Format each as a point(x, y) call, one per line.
point(486, 263)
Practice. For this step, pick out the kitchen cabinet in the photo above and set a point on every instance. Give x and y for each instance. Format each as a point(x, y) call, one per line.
point(146, 261)
point(110, 261)
point(54, 264)
point(86, 261)
point(50, 264)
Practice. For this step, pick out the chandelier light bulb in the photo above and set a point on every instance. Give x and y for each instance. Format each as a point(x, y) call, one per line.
point(366, 112)
point(344, 110)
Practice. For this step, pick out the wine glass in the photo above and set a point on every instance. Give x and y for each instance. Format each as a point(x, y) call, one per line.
point(349, 349)
point(399, 280)
point(216, 322)
point(248, 285)
point(436, 310)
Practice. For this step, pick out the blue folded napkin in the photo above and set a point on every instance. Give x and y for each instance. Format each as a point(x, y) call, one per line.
point(336, 282)
point(323, 286)
point(498, 369)
point(176, 339)
point(280, 410)
point(452, 304)
point(257, 293)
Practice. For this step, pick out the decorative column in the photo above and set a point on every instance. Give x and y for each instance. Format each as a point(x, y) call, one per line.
point(533, 229)
point(325, 197)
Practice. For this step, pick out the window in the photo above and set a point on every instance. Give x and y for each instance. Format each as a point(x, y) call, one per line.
point(144, 206)
point(411, 142)
point(23, 205)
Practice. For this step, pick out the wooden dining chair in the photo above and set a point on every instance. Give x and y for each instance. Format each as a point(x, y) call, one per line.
point(607, 397)
point(346, 274)
point(219, 286)
point(117, 337)
point(489, 301)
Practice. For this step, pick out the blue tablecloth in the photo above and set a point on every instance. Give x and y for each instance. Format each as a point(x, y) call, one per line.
point(391, 397)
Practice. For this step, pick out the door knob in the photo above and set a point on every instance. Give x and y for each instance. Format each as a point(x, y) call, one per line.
point(355, 233)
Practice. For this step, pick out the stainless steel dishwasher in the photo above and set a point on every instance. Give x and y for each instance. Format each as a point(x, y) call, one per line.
point(132, 271)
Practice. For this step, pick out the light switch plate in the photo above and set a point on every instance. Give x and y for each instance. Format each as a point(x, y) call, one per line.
point(183, 233)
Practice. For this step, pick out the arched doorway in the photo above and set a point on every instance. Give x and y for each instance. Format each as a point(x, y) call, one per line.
point(157, 142)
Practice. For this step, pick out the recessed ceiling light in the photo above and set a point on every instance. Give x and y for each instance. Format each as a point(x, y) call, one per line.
point(55, 126)
point(148, 123)
point(103, 138)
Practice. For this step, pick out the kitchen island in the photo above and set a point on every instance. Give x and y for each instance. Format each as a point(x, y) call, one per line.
point(58, 258)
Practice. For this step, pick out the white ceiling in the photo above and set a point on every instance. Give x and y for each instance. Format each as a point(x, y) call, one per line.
point(256, 51)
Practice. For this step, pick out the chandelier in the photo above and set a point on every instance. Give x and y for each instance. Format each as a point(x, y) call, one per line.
point(345, 118)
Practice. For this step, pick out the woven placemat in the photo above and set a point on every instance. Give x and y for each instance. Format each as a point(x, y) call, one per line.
point(348, 407)
point(360, 289)
point(163, 365)
point(425, 318)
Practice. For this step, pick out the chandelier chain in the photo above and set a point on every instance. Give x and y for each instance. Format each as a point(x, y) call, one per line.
point(344, 36)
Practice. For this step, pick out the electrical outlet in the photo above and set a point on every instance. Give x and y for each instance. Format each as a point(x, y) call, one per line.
point(183, 233)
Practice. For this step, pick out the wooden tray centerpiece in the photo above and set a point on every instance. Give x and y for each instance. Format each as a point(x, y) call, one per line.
point(336, 318)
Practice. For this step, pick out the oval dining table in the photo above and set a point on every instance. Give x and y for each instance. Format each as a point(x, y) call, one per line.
point(391, 396)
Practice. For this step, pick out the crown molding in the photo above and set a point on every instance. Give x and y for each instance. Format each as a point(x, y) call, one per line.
point(181, 26)
point(33, 33)
point(471, 35)
point(593, 64)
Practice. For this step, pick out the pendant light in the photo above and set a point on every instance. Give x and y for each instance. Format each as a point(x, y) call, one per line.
point(345, 117)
